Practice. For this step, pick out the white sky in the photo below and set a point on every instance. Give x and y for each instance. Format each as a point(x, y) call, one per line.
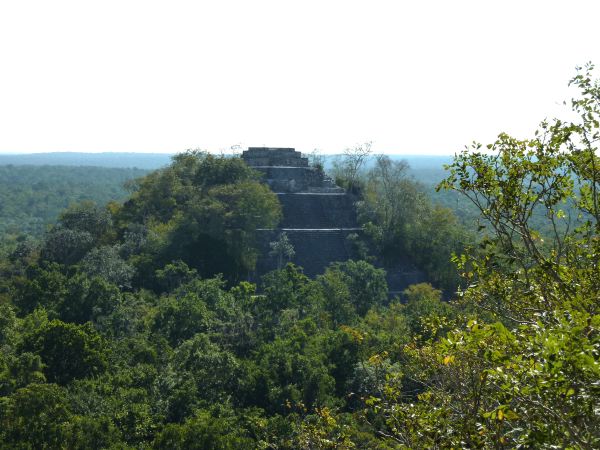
point(418, 77)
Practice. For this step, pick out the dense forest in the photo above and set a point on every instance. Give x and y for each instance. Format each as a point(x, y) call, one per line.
point(130, 324)
point(35, 188)
point(32, 197)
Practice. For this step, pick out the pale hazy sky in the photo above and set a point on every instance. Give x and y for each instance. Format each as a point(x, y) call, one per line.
point(413, 77)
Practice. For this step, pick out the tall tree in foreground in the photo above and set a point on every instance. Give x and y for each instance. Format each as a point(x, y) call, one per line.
point(523, 370)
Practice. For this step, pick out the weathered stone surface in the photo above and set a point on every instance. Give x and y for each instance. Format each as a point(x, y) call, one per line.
point(274, 157)
point(314, 249)
point(286, 170)
point(318, 217)
point(317, 210)
point(317, 214)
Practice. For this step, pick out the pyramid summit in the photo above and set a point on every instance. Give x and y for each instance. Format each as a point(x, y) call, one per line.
point(288, 171)
point(317, 218)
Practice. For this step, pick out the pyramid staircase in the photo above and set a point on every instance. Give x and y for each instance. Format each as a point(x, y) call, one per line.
point(317, 218)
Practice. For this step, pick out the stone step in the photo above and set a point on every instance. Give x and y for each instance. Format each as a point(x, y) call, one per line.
point(317, 210)
point(314, 249)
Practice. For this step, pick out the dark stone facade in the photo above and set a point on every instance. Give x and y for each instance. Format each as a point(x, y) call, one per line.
point(274, 157)
point(286, 170)
point(318, 216)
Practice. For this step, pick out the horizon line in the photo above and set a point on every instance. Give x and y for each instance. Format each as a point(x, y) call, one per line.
point(425, 155)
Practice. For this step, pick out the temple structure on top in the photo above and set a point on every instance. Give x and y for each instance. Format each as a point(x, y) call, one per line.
point(274, 157)
point(286, 170)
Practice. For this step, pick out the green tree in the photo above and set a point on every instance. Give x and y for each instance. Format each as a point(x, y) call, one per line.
point(215, 371)
point(42, 286)
point(400, 219)
point(181, 318)
point(347, 170)
point(283, 288)
point(88, 299)
point(34, 417)
point(366, 284)
point(68, 351)
point(391, 202)
point(292, 370)
point(22, 369)
point(174, 275)
point(66, 246)
point(104, 262)
point(79, 228)
point(86, 217)
point(204, 432)
point(523, 371)
point(423, 303)
point(282, 248)
point(202, 210)
point(82, 432)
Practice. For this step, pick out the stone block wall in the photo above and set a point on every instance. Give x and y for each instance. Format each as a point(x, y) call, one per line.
point(286, 170)
point(317, 210)
point(274, 157)
point(314, 249)
point(318, 217)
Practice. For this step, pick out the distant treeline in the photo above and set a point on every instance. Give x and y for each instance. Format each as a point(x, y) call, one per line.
point(34, 188)
point(148, 161)
point(426, 169)
point(31, 197)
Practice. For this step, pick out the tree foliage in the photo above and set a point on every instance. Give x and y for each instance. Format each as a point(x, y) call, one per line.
point(33, 196)
point(404, 224)
point(202, 210)
point(523, 370)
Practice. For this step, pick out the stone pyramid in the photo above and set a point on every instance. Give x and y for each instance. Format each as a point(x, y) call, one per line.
point(318, 216)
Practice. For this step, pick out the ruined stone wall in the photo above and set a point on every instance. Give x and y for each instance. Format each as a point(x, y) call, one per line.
point(318, 217)
point(286, 170)
point(274, 157)
point(314, 249)
point(317, 210)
